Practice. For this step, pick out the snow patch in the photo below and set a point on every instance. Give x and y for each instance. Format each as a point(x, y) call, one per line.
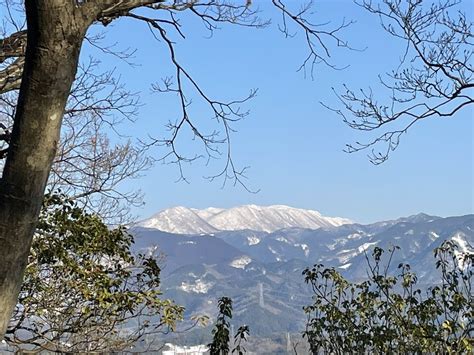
point(198, 286)
point(365, 246)
point(346, 254)
point(283, 239)
point(241, 263)
point(433, 236)
point(305, 248)
point(253, 240)
point(176, 349)
point(345, 266)
point(464, 246)
point(354, 236)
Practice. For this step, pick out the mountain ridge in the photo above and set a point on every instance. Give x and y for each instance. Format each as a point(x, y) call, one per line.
point(183, 220)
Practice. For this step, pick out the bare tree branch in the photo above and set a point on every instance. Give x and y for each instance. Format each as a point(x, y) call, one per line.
point(317, 37)
point(435, 77)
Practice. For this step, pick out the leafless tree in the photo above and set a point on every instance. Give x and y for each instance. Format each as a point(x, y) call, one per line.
point(435, 77)
point(55, 31)
point(87, 166)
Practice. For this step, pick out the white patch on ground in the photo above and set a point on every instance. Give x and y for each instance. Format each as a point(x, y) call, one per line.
point(176, 349)
point(410, 232)
point(305, 248)
point(347, 254)
point(277, 254)
point(187, 242)
point(337, 243)
point(365, 246)
point(433, 236)
point(283, 239)
point(462, 243)
point(464, 248)
point(241, 263)
point(151, 250)
point(198, 286)
point(331, 246)
point(345, 266)
point(253, 240)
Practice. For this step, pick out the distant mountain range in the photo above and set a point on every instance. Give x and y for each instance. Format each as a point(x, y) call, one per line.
point(182, 220)
point(256, 255)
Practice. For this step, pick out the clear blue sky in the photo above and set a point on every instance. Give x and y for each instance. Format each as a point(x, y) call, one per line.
point(292, 144)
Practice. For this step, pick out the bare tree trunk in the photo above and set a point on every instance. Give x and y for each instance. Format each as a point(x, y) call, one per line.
point(56, 29)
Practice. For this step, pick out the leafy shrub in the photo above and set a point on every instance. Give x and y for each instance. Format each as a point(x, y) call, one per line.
point(221, 338)
point(84, 289)
point(390, 313)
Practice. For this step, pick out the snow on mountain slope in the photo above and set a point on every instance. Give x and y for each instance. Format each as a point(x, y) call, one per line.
point(461, 240)
point(182, 220)
point(271, 218)
point(241, 263)
point(179, 220)
point(207, 212)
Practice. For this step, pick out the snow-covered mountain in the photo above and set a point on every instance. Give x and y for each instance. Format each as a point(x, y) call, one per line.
point(182, 220)
point(262, 271)
point(179, 220)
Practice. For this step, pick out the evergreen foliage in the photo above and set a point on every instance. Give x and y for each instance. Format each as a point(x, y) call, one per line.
point(84, 290)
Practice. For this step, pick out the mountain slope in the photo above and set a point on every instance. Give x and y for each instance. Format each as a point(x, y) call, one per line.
point(179, 220)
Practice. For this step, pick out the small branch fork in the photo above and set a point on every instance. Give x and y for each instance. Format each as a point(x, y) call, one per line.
point(317, 37)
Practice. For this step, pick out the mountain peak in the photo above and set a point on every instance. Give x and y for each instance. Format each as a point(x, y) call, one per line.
point(180, 220)
point(418, 218)
point(183, 220)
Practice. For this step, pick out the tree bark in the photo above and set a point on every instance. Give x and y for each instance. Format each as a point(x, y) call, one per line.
point(56, 29)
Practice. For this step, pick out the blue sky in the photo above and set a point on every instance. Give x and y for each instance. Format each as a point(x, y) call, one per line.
point(292, 144)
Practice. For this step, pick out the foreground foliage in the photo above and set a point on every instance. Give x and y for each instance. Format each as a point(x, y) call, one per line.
point(221, 339)
point(390, 313)
point(83, 289)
